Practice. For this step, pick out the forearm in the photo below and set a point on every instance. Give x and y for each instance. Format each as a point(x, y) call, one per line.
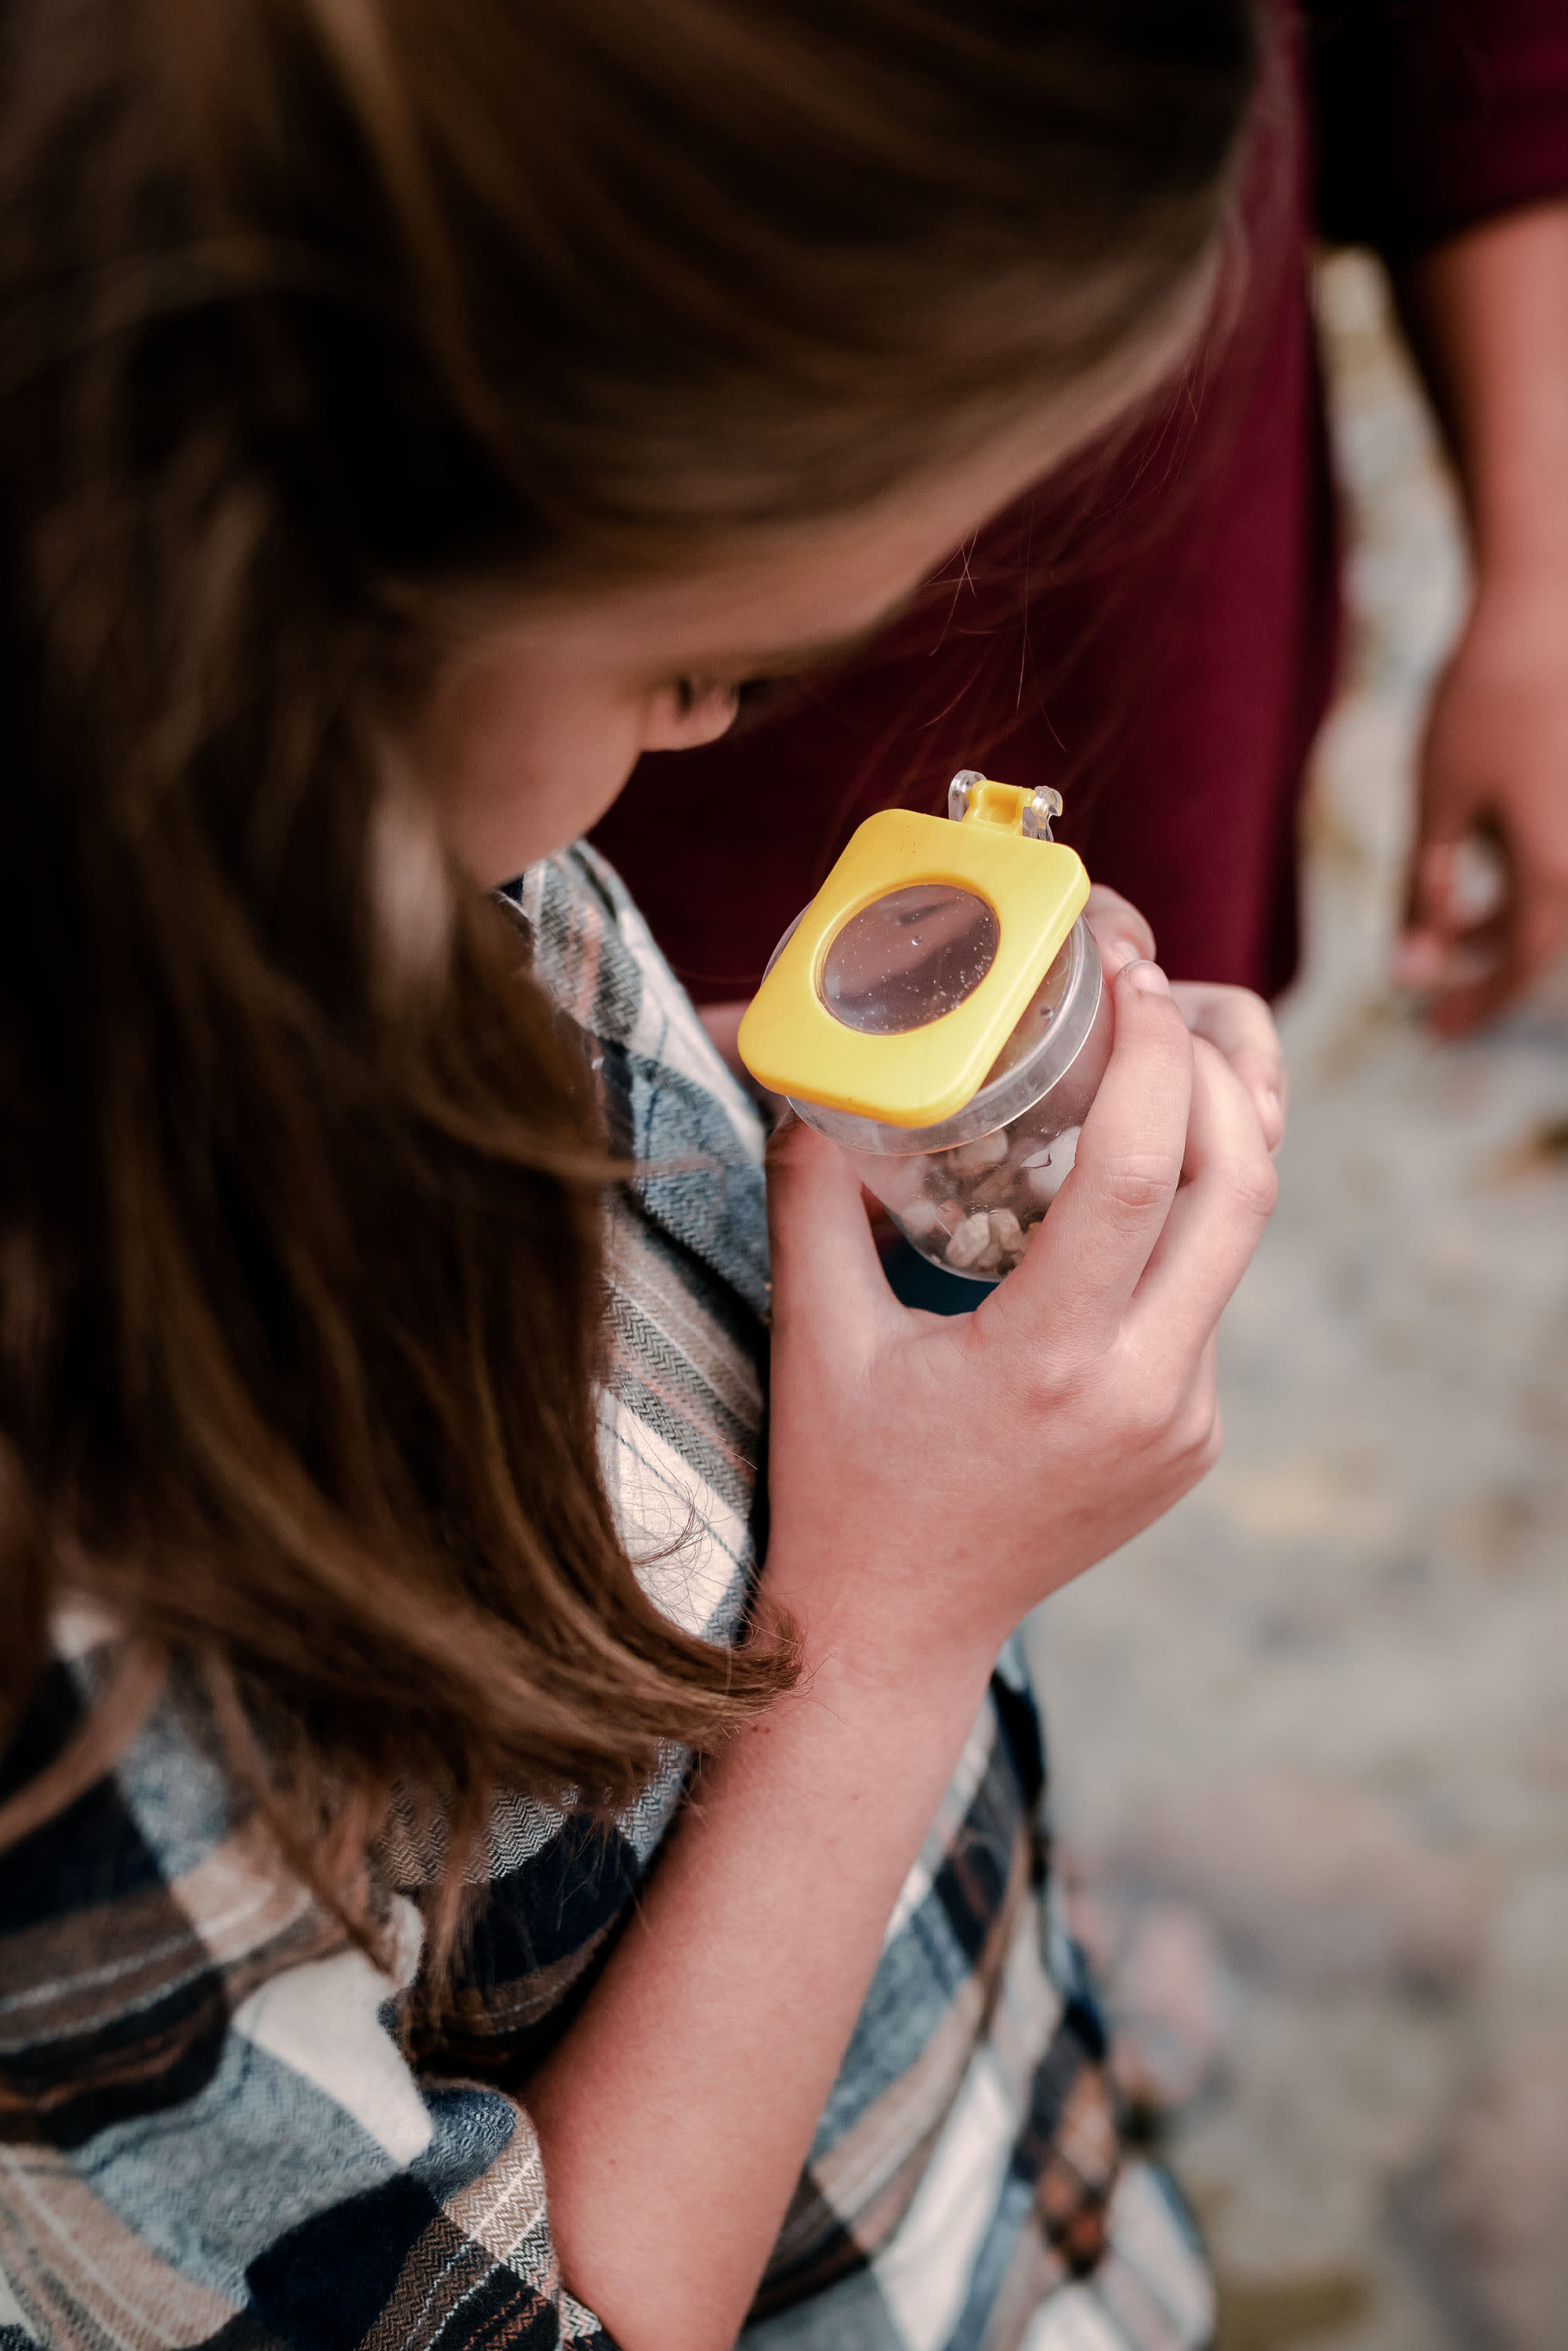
point(1487, 313)
point(676, 2114)
point(933, 1479)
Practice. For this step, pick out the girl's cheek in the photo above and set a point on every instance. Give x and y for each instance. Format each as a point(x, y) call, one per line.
point(510, 795)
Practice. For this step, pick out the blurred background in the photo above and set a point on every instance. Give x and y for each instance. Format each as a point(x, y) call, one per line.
point(1313, 1730)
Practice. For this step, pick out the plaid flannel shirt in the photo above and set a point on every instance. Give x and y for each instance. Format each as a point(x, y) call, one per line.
point(214, 2128)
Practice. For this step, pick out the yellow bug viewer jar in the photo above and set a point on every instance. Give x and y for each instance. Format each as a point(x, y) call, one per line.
point(937, 1009)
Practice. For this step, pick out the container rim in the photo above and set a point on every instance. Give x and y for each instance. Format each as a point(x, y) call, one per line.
point(999, 1100)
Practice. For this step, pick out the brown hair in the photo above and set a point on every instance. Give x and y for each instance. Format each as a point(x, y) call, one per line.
point(310, 313)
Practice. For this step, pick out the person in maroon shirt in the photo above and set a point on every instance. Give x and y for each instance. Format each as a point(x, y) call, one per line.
point(1155, 633)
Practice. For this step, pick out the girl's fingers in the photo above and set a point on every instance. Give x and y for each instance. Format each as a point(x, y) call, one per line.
point(1242, 1028)
point(1103, 1225)
point(828, 1279)
point(1217, 1218)
point(1121, 933)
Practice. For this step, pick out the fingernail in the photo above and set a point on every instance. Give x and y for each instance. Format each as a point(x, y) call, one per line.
point(1119, 954)
point(1147, 978)
point(1415, 961)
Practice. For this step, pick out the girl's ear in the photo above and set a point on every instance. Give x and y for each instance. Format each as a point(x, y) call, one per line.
point(689, 712)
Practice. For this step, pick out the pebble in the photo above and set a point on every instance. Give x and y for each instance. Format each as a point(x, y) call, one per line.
point(920, 1219)
point(1045, 1172)
point(978, 1226)
point(990, 1241)
point(1007, 1232)
point(971, 1240)
point(974, 1158)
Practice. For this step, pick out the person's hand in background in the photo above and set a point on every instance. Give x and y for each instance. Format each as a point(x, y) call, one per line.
point(1488, 903)
point(1487, 909)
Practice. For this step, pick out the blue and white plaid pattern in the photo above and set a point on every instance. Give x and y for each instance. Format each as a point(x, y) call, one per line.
point(214, 2127)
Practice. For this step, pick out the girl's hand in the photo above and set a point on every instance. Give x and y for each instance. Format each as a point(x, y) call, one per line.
point(931, 1479)
point(1240, 1027)
point(1232, 1019)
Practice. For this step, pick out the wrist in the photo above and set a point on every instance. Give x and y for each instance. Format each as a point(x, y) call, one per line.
point(1516, 625)
point(1522, 578)
point(864, 1647)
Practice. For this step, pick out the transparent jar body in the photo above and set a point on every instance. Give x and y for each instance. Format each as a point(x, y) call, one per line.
point(968, 1193)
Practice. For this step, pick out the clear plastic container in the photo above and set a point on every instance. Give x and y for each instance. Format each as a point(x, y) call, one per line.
point(969, 1193)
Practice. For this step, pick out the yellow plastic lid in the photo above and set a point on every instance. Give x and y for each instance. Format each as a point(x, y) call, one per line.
point(909, 970)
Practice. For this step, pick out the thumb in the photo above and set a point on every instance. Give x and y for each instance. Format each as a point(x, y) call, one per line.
point(1426, 933)
point(1430, 892)
point(826, 1272)
point(1448, 805)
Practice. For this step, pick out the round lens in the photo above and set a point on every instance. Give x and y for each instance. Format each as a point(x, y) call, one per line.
point(907, 959)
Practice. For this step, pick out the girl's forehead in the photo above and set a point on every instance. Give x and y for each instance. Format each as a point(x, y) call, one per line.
point(778, 598)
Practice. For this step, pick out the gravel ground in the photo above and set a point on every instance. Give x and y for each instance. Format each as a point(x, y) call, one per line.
point(1317, 1721)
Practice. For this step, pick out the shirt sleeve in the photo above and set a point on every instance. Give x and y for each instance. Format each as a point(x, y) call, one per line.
point(210, 2131)
point(309, 2190)
point(1434, 115)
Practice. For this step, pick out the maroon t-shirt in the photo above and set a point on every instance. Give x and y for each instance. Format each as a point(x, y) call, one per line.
point(1154, 632)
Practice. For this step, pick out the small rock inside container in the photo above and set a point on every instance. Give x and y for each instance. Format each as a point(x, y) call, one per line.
point(971, 1242)
point(928, 1220)
point(1006, 1233)
point(990, 1241)
point(1045, 1172)
point(978, 1208)
point(920, 1218)
point(974, 1158)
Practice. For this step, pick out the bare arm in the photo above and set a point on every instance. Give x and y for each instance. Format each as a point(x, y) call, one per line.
point(676, 2116)
point(1488, 315)
point(931, 1480)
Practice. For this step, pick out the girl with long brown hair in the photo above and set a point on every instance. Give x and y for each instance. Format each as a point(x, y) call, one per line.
point(409, 416)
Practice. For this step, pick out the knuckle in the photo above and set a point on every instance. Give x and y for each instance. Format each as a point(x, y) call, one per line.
point(1148, 1400)
point(1253, 1183)
point(1137, 1181)
point(1163, 1411)
point(1264, 1061)
point(1075, 1372)
point(1190, 1468)
point(1256, 1010)
point(1154, 1403)
point(1202, 1435)
point(1055, 1383)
